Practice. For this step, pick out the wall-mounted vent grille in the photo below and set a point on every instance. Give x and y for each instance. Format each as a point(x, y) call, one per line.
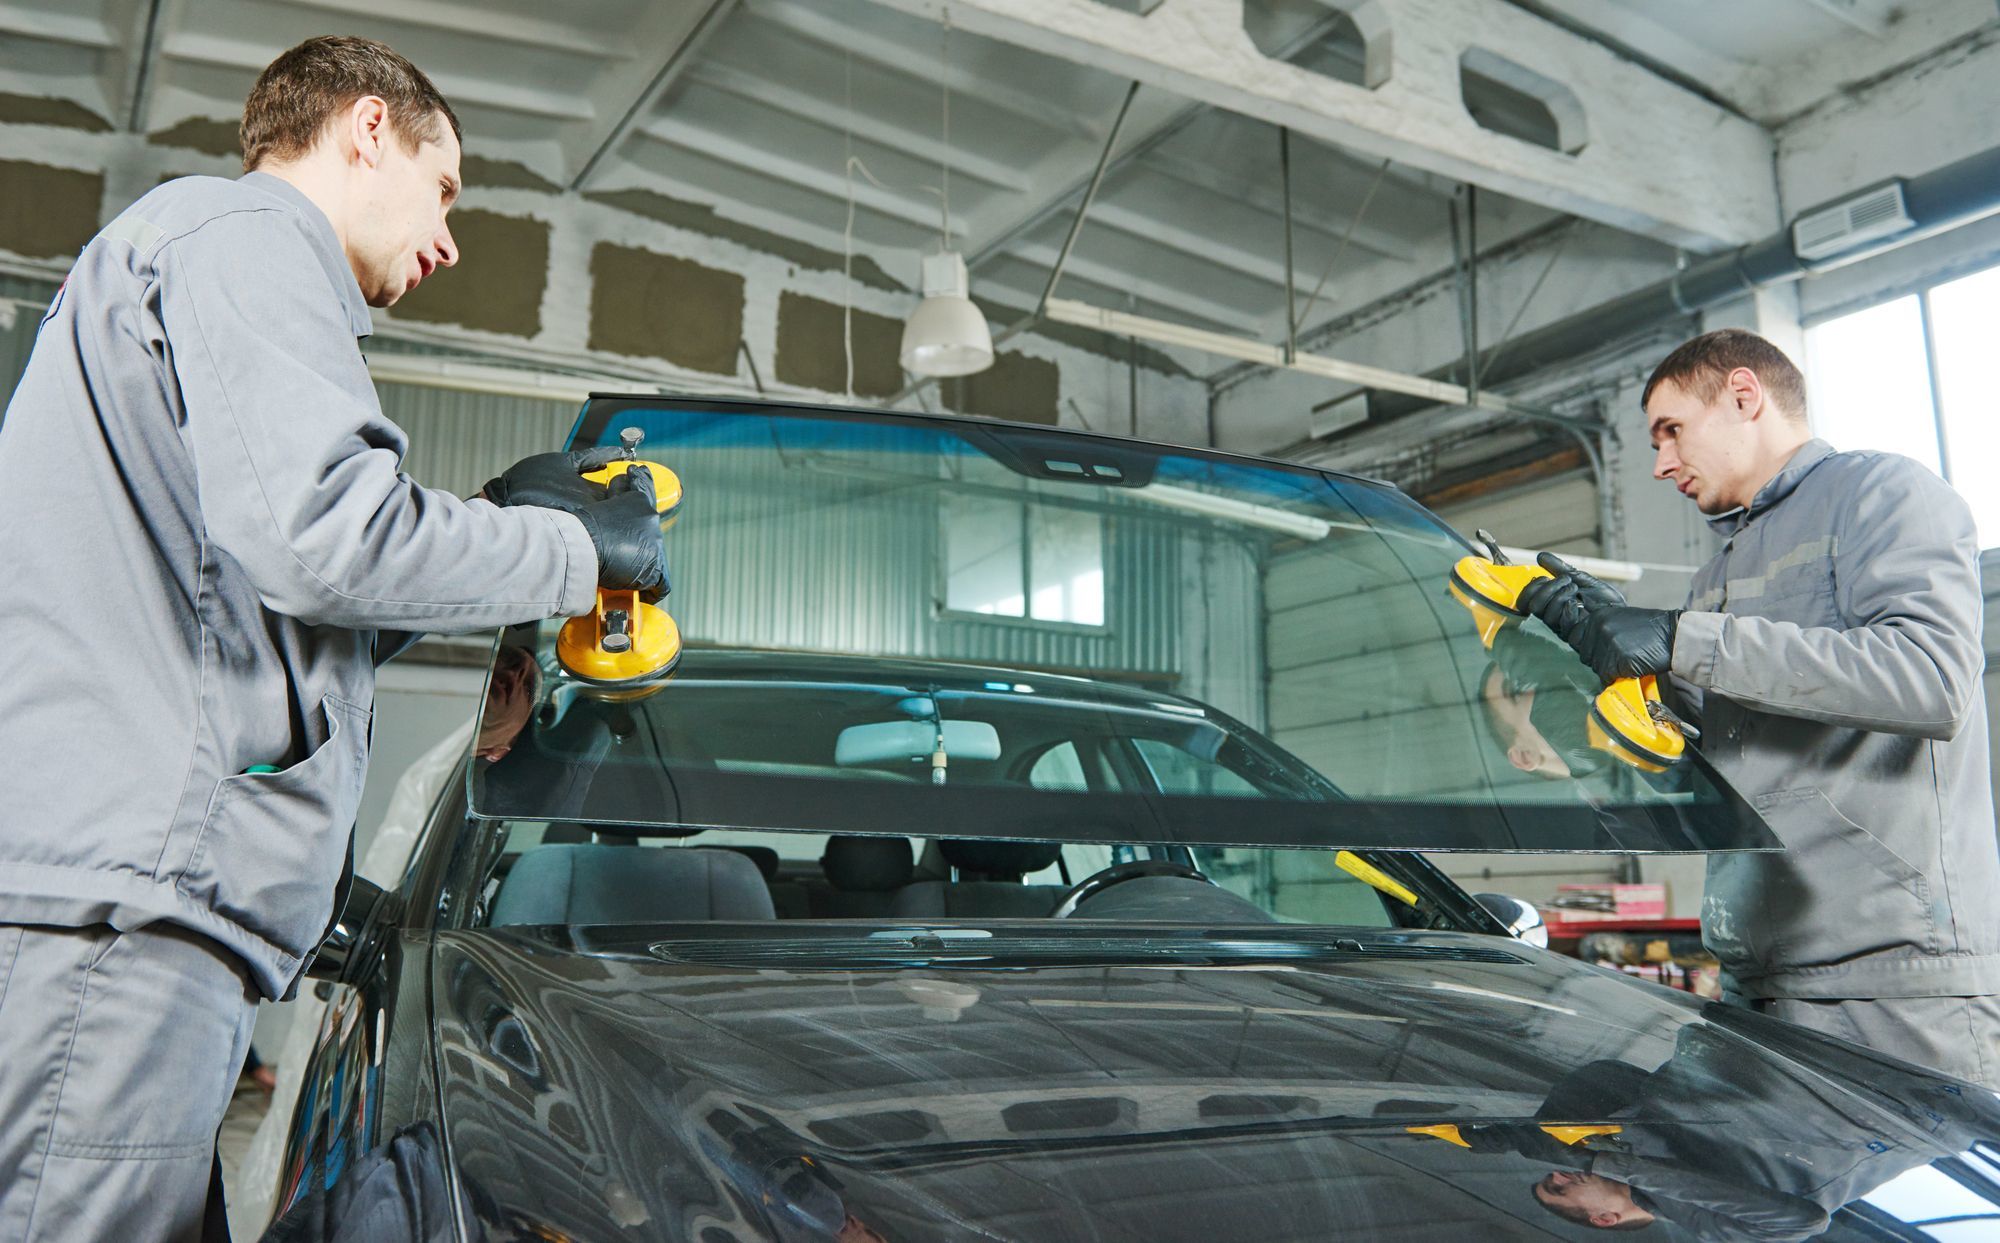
point(1866, 217)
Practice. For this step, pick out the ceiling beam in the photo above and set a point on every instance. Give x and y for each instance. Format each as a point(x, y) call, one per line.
point(491, 22)
point(1373, 238)
point(817, 178)
point(55, 27)
point(895, 132)
point(917, 58)
point(1659, 160)
point(1871, 17)
point(625, 94)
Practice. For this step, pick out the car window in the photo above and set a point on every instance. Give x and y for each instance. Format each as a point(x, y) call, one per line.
point(610, 874)
point(1058, 769)
point(1177, 772)
point(979, 630)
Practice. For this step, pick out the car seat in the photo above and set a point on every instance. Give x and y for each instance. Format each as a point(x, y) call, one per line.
point(988, 885)
point(596, 884)
point(864, 875)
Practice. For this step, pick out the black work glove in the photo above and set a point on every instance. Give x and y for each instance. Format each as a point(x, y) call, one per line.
point(625, 530)
point(1564, 601)
point(1622, 641)
point(1527, 1140)
point(553, 480)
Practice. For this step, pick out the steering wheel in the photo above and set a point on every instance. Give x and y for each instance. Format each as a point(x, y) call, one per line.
point(1097, 882)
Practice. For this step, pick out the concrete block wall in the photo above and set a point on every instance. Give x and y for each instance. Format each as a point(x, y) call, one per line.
point(624, 282)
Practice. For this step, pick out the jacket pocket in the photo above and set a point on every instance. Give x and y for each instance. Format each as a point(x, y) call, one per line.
point(272, 845)
point(1837, 892)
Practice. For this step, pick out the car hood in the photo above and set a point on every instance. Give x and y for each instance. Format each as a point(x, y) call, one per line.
point(1023, 1082)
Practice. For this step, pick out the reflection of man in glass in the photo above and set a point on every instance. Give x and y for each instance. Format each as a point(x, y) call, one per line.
point(510, 701)
point(1536, 696)
point(1729, 1146)
point(1592, 1200)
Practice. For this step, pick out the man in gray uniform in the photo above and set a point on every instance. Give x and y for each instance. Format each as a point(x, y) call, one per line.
point(206, 537)
point(1831, 653)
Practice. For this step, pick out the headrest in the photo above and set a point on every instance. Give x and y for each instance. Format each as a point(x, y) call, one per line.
point(764, 857)
point(597, 884)
point(867, 864)
point(998, 860)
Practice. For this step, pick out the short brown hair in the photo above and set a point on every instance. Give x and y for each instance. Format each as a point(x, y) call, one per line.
point(298, 93)
point(1700, 367)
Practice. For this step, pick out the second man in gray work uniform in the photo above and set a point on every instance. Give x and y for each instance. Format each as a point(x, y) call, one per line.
point(207, 537)
point(1831, 652)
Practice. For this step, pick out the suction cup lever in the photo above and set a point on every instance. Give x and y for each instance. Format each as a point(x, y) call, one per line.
point(617, 631)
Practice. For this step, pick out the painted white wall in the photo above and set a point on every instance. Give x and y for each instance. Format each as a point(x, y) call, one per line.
point(1925, 116)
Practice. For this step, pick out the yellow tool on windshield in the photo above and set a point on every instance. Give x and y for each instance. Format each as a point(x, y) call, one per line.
point(625, 641)
point(1373, 877)
point(1571, 1134)
point(1627, 720)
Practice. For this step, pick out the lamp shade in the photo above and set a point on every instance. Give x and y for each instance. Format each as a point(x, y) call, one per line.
point(946, 335)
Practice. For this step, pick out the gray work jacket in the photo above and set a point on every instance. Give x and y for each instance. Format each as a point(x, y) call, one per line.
point(203, 526)
point(1835, 646)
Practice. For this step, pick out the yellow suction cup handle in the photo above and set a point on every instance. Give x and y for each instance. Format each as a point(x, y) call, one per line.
point(1623, 725)
point(623, 640)
point(1446, 1131)
point(1491, 591)
point(666, 484)
point(1574, 1135)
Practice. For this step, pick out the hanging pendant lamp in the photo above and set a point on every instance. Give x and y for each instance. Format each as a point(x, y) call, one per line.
point(946, 335)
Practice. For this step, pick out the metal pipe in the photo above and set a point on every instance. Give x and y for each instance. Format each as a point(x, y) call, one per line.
point(1089, 195)
point(1285, 188)
point(1938, 201)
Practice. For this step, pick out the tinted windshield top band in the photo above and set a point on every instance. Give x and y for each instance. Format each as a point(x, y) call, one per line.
point(598, 412)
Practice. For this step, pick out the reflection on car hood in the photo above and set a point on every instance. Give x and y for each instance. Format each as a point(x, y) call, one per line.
point(940, 1083)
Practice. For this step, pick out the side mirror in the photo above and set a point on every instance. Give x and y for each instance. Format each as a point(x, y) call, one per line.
point(1522, 920)
point(352, 933)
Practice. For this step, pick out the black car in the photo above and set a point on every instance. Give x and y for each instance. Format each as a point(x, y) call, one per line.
point(1031, 845)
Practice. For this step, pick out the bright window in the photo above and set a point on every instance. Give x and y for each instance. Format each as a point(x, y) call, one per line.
point(1007, 559)
point(1871, 386)
point(1965, 332)
point(1871, 383)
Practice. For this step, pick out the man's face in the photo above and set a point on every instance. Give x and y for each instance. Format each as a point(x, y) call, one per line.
point(1605, 1201)
point(399, 236)
point(1706, 449)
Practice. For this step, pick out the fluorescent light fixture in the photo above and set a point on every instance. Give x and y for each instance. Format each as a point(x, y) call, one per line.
point(1249, 513)
point(1610, 571)
point(947, 335)
point(1125, 324)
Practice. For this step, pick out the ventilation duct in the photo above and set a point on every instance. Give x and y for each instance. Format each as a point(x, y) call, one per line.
point(1871, 215)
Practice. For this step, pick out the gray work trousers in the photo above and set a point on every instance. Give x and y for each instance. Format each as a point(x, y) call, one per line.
point(1957, 1035)
point(118, 1054)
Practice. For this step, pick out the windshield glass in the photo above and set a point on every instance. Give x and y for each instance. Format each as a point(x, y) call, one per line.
point(953, 628)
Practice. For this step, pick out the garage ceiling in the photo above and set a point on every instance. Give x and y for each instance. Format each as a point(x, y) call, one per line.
point(752, 107)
